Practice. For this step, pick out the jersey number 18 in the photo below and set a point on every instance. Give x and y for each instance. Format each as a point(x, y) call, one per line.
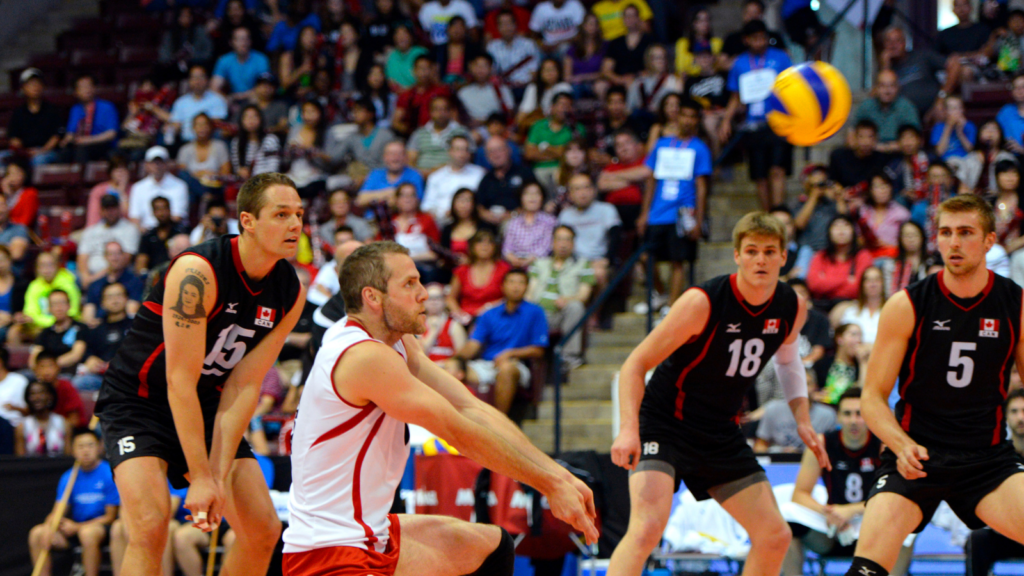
point(751, 357)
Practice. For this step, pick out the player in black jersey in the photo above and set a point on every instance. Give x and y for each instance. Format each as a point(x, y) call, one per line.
point(951, 340)
point(182, 388)
point(855, 454)
point(683, 426)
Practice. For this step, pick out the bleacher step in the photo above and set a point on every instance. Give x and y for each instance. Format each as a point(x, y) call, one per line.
point(576, 409)
point(590, 434)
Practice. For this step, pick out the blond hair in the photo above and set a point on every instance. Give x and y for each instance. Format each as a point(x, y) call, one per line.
point(970, 203)
point(758, 224)
point(366, 266)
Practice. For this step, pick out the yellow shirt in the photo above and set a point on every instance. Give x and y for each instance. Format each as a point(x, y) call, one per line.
point(684, 58)
point(609, 14)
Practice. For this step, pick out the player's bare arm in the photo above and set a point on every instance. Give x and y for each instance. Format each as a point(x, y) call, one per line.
point(241, 392)
point(685, 321)
point(790, 369)
point(806, 479)
point(486, 415)
point(358, 377)
point(895, 327)
point(191, 291)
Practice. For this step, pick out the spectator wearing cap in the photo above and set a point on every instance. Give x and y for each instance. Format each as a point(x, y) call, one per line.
point(888, 110)
point(362, 150)
point(158, 182)
point(119, 184)
point(235, 74)
point(199, 100)
point(36, 126)
point(22, 198)
point(92, 125)
point(112, 227)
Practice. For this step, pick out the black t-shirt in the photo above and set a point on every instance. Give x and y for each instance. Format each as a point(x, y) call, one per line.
point(35, 129)
point(59, 342)
point(104, 340)
point(495, 191)
point(817, 329)
point(916, 73)
point(377, 33)
point(963, 40)
point(628, 61)
point(734, 46)
point(153, 246)
point(848, 170)
point(710, 91)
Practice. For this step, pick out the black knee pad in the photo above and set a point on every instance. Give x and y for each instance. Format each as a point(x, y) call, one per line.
point(502, 561)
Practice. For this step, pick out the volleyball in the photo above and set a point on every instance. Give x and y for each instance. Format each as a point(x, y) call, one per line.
point(809, 102)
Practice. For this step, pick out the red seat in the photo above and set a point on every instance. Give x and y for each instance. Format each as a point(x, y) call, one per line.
point(56, 197)
point(137, 55)
point(57, 175)
point(54, 213)
point(88, 404)
point(19, 356)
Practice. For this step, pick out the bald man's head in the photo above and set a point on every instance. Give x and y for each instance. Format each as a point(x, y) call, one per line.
point(345, 249)
point(887, 87)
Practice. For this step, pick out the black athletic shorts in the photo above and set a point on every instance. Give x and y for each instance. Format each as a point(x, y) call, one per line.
point(669, 246)
point(961, 478)
point(705, 461)
point(134, 428)
point(766, 150)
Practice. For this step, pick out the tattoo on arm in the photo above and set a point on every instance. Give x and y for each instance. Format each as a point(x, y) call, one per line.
point(189, 306)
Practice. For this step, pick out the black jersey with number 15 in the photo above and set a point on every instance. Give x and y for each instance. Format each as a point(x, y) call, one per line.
point(244, 313)
point(956, 370)
point(706, 379)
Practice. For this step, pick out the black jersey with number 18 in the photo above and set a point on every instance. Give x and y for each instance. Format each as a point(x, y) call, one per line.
point(706, 379)
point(956, 370)
point(244, 313)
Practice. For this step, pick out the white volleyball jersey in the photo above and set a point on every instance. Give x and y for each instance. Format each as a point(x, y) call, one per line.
point(347, 460)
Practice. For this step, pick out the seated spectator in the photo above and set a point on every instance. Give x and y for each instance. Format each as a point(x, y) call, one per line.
point(584, 59)
point(653, 82)
point(911, 262)
point(113, 227)
point(184, 45)
point(362, 150)
point(69, 403)
point(476, 286)
point(977, 169)
point(776, 429)
point(834, 272)
point(666, 123)
point(415, 106)
point(36, 126)
point(1008, 213)
point(562, 284)
point(272, 395)
point(940, 184)
point(622, 192)
point(699, 39)
point(304, 153)
point(867, 308)
point(548, 138)
point(734, 44)
point(917, 70)
point(954, 138)
point(22, 200)
point(381, 25)
point(199, 100)
point(214, 224)
point(846, 368)
point(12, 391)
point(327, 284)
point(888, 110)
point(175, 246)
point(503, 337)
point(236, 72)
point(285, 34)
point(402, 58)
point(158, 182)
point(454, 57)
point(708, 87)
point(967, 40)
point(264, 98)
point(497, 195)
point(610, 14)
point(10, 290)
point(539, 94)
point(203, 161)
point(253, 151)
point(465, 222)
point(555, 23)
point(90, 511)
point(616, 117)
point(12, 235)
point(153, 245)
point(595, 226)
point(417, 231)
point(485, 95)
point(496, 126)
point(375, 90)
point(429, 145)
point(61, 340)
point(119, 185)
point(443, 183)
point(340, 205)
point(50, 276)
point(119, 271)
point(444, 336)
point(102, 341)
point(909, 171)
point(852, 167)
point(879, 216)
point(435, 15)
point(516, 58)
point(626, 54)
point(519, 9)
point(528, 234)
point(381, 183)
point(230, 15)
point(297, 66)
point(1011, 116)
point(42, 432)
point(92, 125)
point(353, 62)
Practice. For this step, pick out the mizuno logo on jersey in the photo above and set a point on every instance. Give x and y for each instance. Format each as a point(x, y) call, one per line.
point(733, 328)
point(989, 328)
point(941, 325)
point(265, 317)
point(771, 326)
point(231, 308)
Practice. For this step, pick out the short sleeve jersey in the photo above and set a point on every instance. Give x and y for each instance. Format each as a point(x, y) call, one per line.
point(956, 370)
point(853, 471)
point(705, 381)
point(92, 492)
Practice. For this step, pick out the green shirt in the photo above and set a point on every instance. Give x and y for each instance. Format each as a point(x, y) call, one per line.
point(889, 119)
point(398, 67)
point(37, 304)
point(549, 284)
point(542, 133)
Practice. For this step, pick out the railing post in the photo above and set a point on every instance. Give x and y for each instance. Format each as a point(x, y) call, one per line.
point(650, 287)
point(558, 398)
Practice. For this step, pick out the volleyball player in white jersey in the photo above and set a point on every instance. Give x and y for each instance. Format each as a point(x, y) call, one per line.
point(349, 445)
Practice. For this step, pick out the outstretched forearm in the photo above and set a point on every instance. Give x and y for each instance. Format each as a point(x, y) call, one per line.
point(489, 417)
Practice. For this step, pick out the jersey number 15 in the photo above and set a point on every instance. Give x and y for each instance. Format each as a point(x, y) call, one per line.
point(227, 351)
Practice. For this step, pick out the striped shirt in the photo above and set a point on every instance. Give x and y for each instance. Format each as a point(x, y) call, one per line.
point(262, 158)
point(507, 56)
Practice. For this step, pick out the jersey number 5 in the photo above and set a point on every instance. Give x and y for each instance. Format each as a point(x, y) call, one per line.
point(956, 361)
point(219, 360)
point(751, 357)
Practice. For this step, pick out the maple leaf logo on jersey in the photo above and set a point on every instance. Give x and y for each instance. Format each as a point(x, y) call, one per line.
point(771, 326)
point(265, 317)
point(989, 328)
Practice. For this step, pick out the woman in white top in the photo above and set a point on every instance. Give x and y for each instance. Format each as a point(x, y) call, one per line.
point(866, 309)
point(656, 80)
point(203, 159)
point(43, 432)
point(542, 91)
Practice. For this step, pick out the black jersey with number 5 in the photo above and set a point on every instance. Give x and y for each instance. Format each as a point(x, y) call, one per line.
point(853, 471)
point(244, 313)
point(956, 370)
point(706, 379)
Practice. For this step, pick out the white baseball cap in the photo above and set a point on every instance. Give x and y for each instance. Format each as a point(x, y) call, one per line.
point(157, 152)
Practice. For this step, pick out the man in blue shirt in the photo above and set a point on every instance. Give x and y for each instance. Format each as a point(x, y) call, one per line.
point(200, 99)
point(91, 508)
point(236, 73)
point(381, 183)
point(504, 336)
point(750, 81)
point(92, 125)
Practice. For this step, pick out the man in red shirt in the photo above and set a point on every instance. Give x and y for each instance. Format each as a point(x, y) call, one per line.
point(617, 189)
point(413, 107)
point(69, 403)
